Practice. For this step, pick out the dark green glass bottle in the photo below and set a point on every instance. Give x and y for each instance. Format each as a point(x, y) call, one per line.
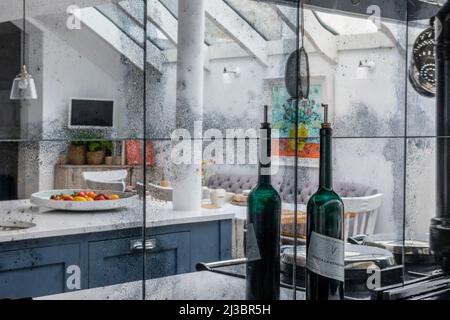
point(325, 230)
point(263, 228)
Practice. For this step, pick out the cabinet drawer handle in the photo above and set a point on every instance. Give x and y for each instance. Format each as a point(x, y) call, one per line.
point(137, 245)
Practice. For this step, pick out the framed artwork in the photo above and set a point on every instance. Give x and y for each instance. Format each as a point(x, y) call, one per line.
point(310, 119)
point(134, 153)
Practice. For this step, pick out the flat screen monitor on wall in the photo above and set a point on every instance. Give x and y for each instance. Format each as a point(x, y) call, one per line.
point(91, 113)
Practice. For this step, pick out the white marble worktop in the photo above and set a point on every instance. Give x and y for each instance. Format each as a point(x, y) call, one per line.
point(57, 223)
point(203, 285)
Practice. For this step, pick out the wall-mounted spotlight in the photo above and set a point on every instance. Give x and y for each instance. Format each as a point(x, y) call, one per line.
point(229, 73)
point(364, 69)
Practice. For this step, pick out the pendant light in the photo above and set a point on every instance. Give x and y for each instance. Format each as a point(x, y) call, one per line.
point(23, 87)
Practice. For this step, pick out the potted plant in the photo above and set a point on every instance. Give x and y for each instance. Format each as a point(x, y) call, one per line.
point(77, 153)
point(108, 146)
point(77, 149)
point(95, 152)
point(87, 146)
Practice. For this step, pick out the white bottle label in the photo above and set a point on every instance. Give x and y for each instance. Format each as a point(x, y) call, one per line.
point(326, 256)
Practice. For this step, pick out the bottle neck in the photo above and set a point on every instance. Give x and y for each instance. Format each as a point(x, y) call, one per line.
point(265, 157)
point(263, 177)
point(326, 160)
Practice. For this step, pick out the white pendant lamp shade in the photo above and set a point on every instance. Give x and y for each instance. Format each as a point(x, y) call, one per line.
point(23, 87)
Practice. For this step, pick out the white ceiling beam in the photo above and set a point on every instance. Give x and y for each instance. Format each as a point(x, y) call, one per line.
point(237, 28)
point(231, 50)
point(164, 21)
point(385, 30)
point(11, 10)
point(109, 32)
point(364, 41)
point(323, 41)
point(158, 15)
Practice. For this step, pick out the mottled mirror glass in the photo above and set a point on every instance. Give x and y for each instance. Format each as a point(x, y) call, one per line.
point(210, 90)
point(157, 105)
point(71, 217)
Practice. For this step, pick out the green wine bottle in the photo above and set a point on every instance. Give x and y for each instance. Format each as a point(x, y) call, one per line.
point(325, 230)
point(263, 228)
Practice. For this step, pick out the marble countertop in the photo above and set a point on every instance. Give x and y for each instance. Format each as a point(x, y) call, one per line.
point(57, 223)
point(202, 285)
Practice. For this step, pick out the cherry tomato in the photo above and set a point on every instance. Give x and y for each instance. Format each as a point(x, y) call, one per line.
point(100, 198)
point(81, 194)
point(91, 194)
point(67, 197)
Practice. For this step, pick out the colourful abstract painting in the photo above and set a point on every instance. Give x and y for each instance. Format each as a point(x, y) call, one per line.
point(310, 119)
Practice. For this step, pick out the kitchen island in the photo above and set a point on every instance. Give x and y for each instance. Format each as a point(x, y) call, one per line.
point(50, 223)
point(67, 251)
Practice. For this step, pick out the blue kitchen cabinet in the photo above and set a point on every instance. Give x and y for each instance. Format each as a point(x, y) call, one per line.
point(37, 271)
point(32, 268)
point(115, 261)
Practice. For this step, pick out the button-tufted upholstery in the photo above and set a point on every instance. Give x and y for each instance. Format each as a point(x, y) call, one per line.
point(232, 183)
point(361, 202)
point(285, 186)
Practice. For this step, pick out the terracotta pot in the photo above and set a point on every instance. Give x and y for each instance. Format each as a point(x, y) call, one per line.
point(76, 155)
point(96, 157)
point(108, 161)
point(117, 161)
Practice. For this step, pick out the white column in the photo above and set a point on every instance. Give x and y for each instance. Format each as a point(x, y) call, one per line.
point(189, 109)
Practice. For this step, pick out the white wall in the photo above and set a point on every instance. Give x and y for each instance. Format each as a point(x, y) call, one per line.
point(73, 63)
point(77, 64)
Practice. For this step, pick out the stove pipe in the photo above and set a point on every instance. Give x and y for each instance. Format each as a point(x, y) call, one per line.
point(440, 226)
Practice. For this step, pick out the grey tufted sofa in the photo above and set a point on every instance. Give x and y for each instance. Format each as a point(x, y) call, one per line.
point(361, 203)
point(285, 186)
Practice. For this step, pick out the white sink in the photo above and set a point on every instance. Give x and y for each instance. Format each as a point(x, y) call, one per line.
point(14, 225)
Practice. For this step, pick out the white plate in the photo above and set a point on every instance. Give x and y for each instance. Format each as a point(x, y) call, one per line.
point(42, 199)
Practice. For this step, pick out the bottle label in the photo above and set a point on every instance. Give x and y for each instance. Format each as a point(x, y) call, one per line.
point(326, 256)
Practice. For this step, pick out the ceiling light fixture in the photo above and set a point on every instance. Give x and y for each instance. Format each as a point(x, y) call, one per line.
point(23, 87)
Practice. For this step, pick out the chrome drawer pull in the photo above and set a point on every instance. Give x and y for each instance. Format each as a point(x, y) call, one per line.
point(136, 245)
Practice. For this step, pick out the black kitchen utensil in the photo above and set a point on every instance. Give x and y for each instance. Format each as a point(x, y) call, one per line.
point(297, 75)
point(416, 252)
point(357, 261)
point(422, 71)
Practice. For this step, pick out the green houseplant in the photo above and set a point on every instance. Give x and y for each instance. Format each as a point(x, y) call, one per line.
point(96, 152)
point(86, 147)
